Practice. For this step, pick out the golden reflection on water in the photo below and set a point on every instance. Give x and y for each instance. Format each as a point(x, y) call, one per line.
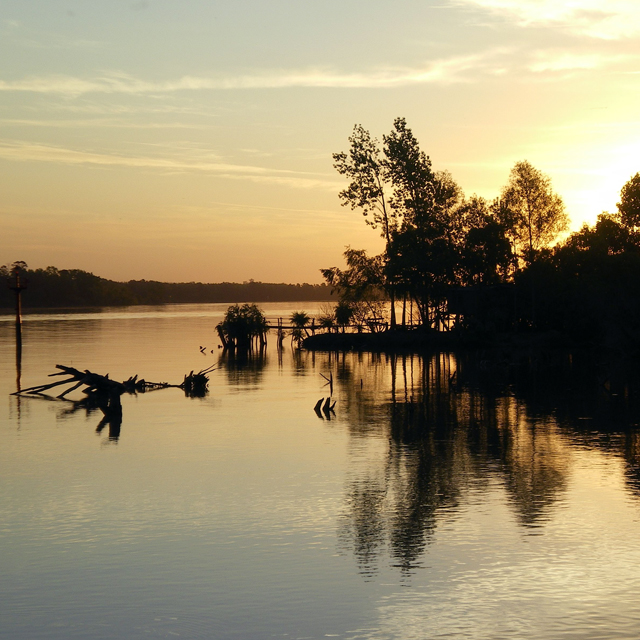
point(449, 496)
point(439, 439)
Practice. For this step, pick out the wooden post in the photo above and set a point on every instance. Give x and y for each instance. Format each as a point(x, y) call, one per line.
point(280, 333)
point(18, 286)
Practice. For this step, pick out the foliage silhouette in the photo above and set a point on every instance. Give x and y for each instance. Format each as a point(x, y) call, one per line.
point(629, 205)
point(530, 211)
point(56, 288)
point(299, 321)
point(434, 238)
point(479, 268)
point(241, 327)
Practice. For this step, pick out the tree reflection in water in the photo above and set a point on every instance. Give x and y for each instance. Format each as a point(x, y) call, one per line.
point(244, 367)
point(448, 425)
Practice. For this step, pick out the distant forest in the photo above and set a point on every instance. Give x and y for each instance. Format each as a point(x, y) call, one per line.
point(57, 288)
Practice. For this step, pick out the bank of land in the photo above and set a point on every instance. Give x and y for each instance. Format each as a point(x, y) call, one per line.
point(67, 288)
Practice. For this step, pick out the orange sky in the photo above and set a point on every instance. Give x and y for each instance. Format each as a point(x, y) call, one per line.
point(193, 140)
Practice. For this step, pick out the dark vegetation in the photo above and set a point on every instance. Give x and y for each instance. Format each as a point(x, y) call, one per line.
point(60, 288)
point(458, 421)
point(100, 392)
point(243, 328)
point(462, 269)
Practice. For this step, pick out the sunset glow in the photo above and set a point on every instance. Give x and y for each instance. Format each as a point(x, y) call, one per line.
point(193, 140)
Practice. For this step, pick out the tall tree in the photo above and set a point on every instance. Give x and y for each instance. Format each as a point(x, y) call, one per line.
point(530, 210)
point(368, 172)
point(410, 174)
point(365, 168)
point(398, 192)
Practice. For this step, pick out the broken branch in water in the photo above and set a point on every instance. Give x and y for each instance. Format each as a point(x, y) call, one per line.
point(327, 409)
point(195, 384)
point(103, 393)
point(329, 381)
point(107, 392)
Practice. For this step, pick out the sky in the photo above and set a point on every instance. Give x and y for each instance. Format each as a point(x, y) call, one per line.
point(192, 140)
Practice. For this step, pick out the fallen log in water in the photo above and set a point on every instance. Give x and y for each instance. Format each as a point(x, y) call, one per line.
point(103, 393)
point(107, 392)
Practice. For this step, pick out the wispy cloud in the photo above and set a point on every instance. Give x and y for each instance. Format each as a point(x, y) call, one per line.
point(26, 151)
point(612, 20)
point(98, 122)
point(448, 70)
point(459, 69)
point(561, 61)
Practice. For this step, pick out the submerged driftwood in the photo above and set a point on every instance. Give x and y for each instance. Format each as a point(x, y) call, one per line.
point(107, 392)
point(327, 408)
point(103, 393)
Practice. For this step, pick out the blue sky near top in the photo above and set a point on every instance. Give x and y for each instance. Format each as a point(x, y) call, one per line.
point(192, 140)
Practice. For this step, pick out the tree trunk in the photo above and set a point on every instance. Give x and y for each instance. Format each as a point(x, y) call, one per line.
point(393, 310)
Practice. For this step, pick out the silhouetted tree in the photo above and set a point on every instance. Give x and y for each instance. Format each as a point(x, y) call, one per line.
point(533, 214)
point(393, 187)
point(368, 172)
point(408, 170)
point(241, 325)
point(434, 237)
point(360, 286)
point(326, 318)
point(363, 165)
point(629, 205)
point(607, 237)
point(343, 313)
point(52, 287)
point(423, 265)
point(484, 251)
point(299, 320)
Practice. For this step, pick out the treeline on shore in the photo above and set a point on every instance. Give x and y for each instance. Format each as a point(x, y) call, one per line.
point(465, 265)
point(67, 288)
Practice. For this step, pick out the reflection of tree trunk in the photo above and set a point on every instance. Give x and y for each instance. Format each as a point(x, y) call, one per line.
point(392, 297)
point(404, 378)
point(393, 378)
point(443, 438)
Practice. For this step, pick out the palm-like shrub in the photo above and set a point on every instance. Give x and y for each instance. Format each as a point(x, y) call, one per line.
point(299, 320)
point(343, 313)
point(327, 318)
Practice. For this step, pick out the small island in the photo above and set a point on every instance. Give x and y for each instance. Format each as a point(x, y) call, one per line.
point(461, 271)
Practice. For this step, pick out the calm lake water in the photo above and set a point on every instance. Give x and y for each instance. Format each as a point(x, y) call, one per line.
point(448, 497)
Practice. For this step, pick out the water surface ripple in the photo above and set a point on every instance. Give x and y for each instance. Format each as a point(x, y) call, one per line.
point(450, 496)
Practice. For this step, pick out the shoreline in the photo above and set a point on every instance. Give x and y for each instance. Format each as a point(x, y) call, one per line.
point(420, 341)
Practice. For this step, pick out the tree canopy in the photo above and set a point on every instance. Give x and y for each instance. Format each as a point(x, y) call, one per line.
point(629, 205)
point(440, 244)
point(241, 325)
point(434, 237)
point(529, 209)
